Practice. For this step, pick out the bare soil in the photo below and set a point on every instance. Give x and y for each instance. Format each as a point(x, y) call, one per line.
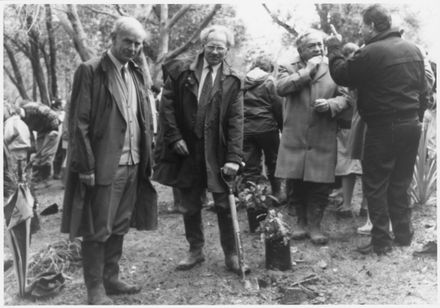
point(332, 274)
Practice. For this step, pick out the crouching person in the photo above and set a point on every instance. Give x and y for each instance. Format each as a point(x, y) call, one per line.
point(108, 187)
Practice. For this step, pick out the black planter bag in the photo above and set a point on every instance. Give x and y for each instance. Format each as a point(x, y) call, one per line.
point(254, 218)
point(278, 255)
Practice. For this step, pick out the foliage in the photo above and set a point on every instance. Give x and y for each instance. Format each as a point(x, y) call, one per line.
point(424, 184)
point(256, 196)
point(62, 256)
point(274, 227)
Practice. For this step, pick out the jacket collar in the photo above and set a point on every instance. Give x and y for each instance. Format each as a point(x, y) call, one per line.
point(197, 65)
point(106, 63)
point(384, 35)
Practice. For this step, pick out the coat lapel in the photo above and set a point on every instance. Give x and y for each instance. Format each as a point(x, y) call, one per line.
point(113, 86)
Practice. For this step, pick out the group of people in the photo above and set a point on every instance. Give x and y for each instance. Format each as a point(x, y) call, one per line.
point(203, 125)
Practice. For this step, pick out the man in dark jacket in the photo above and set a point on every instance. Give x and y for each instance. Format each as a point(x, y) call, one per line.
point(388, 73)
point(44, 121)
point(262, 123)
point(110, 130)
point(201, 135)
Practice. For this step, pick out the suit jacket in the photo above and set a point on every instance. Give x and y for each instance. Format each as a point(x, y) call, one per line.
point(97, 129)
point(223, 125)
point(308, 144)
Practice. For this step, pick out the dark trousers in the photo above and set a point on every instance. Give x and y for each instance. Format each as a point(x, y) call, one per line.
point(307, 196)
point(389, 156)
point(112, 205)
point(192, 200)
point(253, 147)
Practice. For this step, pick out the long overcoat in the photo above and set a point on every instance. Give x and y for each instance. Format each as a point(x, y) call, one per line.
point(97, 127)
point(308, 144)
point(223, 125)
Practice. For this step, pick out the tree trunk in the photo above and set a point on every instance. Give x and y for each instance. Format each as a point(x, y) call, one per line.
point(78, 35)
point(52, 53)
point(34, 36)
point(17, 80)
point(323, 10)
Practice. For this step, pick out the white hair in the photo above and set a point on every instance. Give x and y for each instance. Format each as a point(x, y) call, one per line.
point(220, 29)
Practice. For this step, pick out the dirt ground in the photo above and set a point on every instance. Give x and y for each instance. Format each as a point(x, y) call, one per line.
point(337, 274)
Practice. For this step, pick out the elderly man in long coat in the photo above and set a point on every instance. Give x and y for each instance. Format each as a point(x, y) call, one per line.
point(307, 153)
point(110, 160)
point(200, 132)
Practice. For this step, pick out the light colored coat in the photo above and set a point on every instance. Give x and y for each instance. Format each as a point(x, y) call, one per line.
point(308, 143)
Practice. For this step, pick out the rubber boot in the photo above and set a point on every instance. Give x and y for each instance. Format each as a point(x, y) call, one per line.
point(112, 255)
point(299, 231)
point(314, 217)
point(93, 268)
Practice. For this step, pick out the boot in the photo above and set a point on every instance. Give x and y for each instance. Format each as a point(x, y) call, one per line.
point(196, 239)
point(192, 258)
point(277, 191)
point(227, 241)
point(299, 231)
point(112, 255)
point(314, 217)
point(93, 268)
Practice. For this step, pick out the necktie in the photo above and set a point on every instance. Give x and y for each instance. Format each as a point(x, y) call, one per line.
point(206, 89)
point(123, 74)
point(203, 101)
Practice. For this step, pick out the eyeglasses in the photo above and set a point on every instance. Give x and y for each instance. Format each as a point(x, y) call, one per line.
point(211, 48)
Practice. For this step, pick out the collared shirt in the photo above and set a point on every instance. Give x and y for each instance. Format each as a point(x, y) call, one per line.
point(205, 72)
point(131, 148)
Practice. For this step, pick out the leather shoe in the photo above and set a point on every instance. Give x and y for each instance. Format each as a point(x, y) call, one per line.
point(120, 287)
point(370, 248)
point(232, 265)
point(192, 259)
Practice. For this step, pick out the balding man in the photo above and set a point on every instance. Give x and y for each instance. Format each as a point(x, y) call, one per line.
point(200, 132)
point(110, 162)
point(307, 153)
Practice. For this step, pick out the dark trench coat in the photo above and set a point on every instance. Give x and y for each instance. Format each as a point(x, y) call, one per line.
point(223, 128)
point(96, 134)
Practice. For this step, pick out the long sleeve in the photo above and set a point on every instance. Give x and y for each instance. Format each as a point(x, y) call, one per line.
point(168, 113)
point(83, 159)
point(289, 82)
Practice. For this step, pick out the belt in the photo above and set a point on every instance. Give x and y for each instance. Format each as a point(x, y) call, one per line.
point(395, 117)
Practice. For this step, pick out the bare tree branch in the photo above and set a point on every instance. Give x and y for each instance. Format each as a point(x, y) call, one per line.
point(100, 12)
point(52, 73)
point(78, 35)
point(281, 23)
point(177, 16)
point(120, 10)
point(194, 37)
point(19, 44)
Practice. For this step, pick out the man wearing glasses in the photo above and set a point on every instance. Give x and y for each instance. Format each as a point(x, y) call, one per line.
point(200, 134)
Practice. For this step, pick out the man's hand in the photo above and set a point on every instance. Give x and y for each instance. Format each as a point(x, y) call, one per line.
point(181, 148)
point(87, 179)
point(335, 33)
point(313, 64)
point(321, 105)
point(230, 168)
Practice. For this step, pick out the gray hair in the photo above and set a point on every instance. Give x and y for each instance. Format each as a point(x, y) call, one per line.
point(217, 28)
point(127, 23)
point(303, 36)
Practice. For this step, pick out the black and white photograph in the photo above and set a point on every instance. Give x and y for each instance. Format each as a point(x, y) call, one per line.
point(220, 153)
